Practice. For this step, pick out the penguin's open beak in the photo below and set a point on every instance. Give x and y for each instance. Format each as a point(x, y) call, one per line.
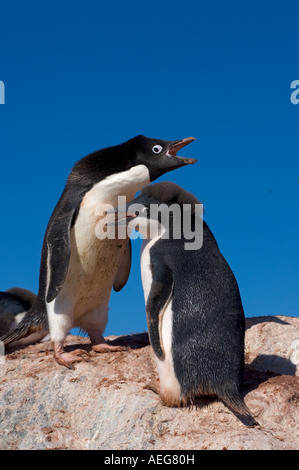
point(178, 145)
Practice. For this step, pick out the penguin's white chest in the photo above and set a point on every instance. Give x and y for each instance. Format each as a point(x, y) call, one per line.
point(170, 389)
point(85, 242)
point(94, 262)
point(145, 265)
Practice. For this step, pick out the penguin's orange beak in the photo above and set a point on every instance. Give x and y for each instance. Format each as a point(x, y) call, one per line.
point(178, 145)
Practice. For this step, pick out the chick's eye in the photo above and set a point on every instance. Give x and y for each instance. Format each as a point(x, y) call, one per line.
point(157, 149)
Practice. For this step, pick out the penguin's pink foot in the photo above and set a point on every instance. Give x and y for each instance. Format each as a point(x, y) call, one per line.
point(100, 345)
point(107, 348)
point(68, 359)
point(153, 385)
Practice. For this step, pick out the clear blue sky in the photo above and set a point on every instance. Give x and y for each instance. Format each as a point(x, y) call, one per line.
point(80, 76)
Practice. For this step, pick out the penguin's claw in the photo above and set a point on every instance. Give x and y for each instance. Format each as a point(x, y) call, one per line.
point(67, 359)
point(100, 345)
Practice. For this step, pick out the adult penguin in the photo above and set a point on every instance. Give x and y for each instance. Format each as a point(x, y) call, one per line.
point(78, 269)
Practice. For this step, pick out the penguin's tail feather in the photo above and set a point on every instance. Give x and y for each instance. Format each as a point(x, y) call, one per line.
point(34, 324)
point(236, 404)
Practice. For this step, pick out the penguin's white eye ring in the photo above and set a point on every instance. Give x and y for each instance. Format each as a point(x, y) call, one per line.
point(157, 148)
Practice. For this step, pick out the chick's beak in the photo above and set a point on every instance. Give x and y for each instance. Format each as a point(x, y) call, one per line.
point(121, 216)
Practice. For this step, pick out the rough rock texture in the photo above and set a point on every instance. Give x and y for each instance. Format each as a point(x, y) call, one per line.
point(106, 404)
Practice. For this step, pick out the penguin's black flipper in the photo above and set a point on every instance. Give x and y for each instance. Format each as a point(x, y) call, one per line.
point(157, 302)
point(58, 247)
point(123, 272)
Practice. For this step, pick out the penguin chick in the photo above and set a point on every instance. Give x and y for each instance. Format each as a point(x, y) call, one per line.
point(78, 270)
point(14, 305)
point(194, 311)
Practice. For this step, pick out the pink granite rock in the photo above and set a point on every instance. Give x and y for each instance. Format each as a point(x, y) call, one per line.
point(106, 403)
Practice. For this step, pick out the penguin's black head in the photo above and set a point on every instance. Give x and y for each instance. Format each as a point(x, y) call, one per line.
point(160, 156)
point(165, 192)
point(155, 155)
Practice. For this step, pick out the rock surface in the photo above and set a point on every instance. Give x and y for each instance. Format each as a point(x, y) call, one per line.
point(106, 403)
